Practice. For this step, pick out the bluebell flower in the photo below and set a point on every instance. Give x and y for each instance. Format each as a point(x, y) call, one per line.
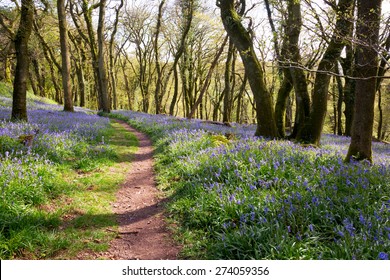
point(361, 219)
point(340, 233)
point(383, 256)
point(315, 200)
point(349, 227)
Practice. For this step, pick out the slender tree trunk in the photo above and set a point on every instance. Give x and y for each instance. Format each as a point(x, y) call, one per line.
point(312, 130)
point(293, 30)
point(158, 91)
point(112, 64)
point(179, 53)
point(240, 100)
point(243, 42)
point(282, 101)
point(369, 13)
point(380, 117)
point(19, 104)
point(91, 41)
point(103, 81)
point(208, 79)
point(65, 56)
point(339, 105)
point(383, 68)
point(34, 85)
point(274, 34)
point(334, 103)
point(227, 89)
point(349, 88)
point(81, 84)
point(40, 79)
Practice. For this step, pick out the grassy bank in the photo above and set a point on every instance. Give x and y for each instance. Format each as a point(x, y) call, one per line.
point(57, 188)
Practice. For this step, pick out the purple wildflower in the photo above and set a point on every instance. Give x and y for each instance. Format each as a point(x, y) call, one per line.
point(383, 256)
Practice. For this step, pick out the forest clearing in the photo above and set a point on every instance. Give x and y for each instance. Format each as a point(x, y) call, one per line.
point(193, 129)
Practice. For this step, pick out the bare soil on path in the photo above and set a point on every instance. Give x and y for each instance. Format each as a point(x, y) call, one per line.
point(142, 232)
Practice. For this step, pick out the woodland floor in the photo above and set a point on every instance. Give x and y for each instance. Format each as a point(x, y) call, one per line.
point(139, 208)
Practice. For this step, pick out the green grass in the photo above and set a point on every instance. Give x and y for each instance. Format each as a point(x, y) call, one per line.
point(76, 218)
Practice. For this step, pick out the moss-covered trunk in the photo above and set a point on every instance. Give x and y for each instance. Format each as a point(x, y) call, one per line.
point(311, 132)
point(102, 72)
point(19, 104)
point(369, 13)
point(240, 37)
point(281, 102)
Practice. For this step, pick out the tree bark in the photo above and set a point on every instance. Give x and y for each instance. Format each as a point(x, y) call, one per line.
point(369, 13)
point(158, 91)
point(243, 42)
point(291, 53)
point(103, 81)
point(39, 88)
point(227, 99)
point(112, 62)
point(349, 87)
point(282, 101)
point(65, 56)
point(207, 81)
point(19, 104)
point(313, 126)
point(179, 53)
point(380, 117)
point(339, 104)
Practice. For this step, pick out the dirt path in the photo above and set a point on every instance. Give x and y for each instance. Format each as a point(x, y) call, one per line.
point(142, 233)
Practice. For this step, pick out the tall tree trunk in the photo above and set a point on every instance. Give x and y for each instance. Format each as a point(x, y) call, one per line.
point(111, 48)
point(369, 13)
point(240, 100)
point(158, 91)
point(91, 41)
point(380, 117)
point(179, 53)
point(65, 56)
point(103, 82)
point(243, 42)
point(206, 83)
point(339, 104)
point(40, 79)
point(282, 101)
point(227, 99)
point(312, 130)
point(349, 87)
point(383, 68)
point(292, 53)
point(293, 77)
point(81, 84)
point(334, 103)
point(19, 104)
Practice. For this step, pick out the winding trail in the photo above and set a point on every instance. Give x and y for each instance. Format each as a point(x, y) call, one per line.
point(142, 233)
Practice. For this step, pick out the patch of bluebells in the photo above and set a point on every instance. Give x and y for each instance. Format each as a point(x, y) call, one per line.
point(56, 133)
point(26, 179)
point(285, 200)
point(27, 170)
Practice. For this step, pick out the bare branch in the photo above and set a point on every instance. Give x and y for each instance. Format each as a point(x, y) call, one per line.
point(291, 64)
